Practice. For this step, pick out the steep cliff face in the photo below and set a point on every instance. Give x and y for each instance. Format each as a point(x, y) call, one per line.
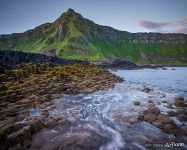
point(110, 34)
point(158, 38)
point(72, 36)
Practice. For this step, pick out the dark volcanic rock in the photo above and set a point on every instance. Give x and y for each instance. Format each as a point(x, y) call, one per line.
point(118, 64)
point(153, 110)
point(77, 139)
point(179, 103)
point(9, 59)
point(136, 103)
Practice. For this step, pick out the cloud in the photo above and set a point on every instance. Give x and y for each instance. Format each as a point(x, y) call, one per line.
point(182, 21)
point(175, 26)
point(152, 25)
point(181, 30)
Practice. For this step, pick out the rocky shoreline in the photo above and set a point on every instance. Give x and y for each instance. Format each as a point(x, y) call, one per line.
point(33, 86)
point(30, 82)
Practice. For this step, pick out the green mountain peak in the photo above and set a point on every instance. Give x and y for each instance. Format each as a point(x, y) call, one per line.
point(72, 36)
point(70, 10)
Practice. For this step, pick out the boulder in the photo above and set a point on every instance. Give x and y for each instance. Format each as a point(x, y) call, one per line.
point(158, 124)
point(81, 140)
point(147, 90)
point(35, 126)
point(63, 122)
point(150, 101)
point(50, 122)
point(184, 129)
point(169, 128)
point(19, 136)
point(172, 113)
point(136, 103)
point(179, 103)
point(150, 117)
point(179, 98)
point(164, 118)
point(182, 117)
point(153, 110)
point(129, 120)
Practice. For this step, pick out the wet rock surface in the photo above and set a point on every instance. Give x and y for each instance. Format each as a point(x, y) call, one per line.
point(61, 138)
point(168, 122)
point(28, 90)
point(57, 116)
point(154, 127)
point(128, 121)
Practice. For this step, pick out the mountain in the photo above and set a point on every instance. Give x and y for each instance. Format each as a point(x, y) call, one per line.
point(72, 36)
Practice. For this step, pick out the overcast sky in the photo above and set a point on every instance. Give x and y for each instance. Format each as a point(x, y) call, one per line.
point(127, 15)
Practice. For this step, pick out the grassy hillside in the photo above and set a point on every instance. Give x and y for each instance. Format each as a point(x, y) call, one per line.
point(73, 36)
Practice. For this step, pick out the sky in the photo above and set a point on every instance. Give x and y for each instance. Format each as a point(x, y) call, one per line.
point(128, 15)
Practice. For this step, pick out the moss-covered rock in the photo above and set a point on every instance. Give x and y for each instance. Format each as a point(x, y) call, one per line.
point(34, 85)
